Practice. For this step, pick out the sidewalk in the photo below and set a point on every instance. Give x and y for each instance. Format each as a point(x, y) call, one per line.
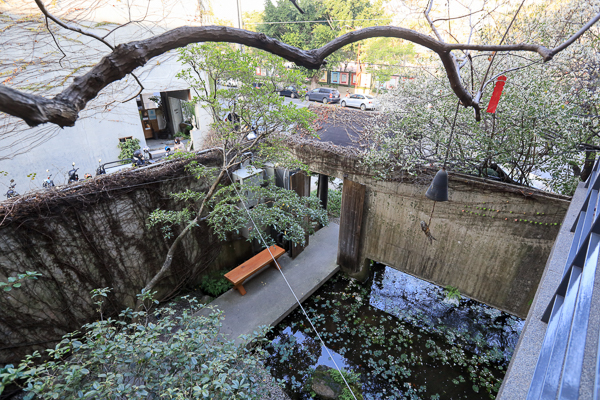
point(268, 299)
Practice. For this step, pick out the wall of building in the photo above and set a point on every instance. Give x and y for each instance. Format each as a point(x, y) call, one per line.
point(96, 238)
point(25, 151)
point(479, 248)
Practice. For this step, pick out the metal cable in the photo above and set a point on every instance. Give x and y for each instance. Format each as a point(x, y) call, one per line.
point(290, 287)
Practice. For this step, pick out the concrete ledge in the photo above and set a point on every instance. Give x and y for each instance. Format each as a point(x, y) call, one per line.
point(268, 299)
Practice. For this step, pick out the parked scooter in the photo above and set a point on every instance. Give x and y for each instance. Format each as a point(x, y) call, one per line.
point(100, 170)
point(11, 190)
point(138, 158)
point(48, 183)
point(167, 151)
point(147, 154)
point(73, 177)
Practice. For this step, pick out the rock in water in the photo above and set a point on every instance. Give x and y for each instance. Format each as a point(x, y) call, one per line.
point(324, 385)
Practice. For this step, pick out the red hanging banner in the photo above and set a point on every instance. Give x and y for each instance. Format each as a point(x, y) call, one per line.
point(496, 95)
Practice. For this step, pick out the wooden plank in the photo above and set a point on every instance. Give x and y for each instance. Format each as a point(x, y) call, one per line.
point(351, 218)
point(300, 183)
point(248, 268)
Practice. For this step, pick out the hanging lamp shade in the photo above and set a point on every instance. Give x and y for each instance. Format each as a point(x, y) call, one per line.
point(438, 190)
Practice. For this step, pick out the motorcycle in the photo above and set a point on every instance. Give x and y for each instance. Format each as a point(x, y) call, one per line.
point(100, 170)
point(11, 190)
point(48, 183)
point(147, 154)
point(138, 158)
point(73, 177)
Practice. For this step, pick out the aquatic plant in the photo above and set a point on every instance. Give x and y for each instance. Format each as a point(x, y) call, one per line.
point(396, 346)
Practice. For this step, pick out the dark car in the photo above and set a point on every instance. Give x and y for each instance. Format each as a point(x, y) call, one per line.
point(290, 91)
point(324, 95)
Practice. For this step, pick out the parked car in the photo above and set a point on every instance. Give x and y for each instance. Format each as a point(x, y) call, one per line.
point(290, 91)
point(362, 101)
point(325, 95)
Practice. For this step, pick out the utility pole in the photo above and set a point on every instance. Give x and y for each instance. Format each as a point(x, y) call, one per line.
point(239, 15)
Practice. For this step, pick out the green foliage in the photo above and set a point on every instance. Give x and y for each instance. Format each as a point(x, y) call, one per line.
point(128, 147)
point(166, 219)
point(352, 378)
point(215, 284)
point(16, 282)
point(339, 13)
point(279, 208)
point(334, 202)
point(160, 354)
point(452, 292)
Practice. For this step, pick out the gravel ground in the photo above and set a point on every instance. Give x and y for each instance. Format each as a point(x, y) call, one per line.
point(275, 391)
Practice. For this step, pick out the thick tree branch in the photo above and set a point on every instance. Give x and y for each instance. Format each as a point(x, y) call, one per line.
point(125, 58)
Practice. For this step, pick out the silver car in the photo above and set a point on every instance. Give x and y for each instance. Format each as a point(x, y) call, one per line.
point(362, 101)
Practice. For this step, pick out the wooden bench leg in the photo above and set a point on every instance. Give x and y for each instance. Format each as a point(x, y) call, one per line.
point(274, 264)
point(240, 289)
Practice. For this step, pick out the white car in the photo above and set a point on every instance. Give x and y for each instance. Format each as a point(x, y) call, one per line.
point(362, 101)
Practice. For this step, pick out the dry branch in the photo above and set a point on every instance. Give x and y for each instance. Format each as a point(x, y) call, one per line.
point(63, 109)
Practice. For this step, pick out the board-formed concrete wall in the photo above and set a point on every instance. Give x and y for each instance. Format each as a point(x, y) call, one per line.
point(486, 245)
point(81, 242)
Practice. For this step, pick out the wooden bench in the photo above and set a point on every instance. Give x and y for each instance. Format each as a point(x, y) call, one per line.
point(238, 275)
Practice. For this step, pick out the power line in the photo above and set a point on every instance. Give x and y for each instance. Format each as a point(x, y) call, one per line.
point(326, 21)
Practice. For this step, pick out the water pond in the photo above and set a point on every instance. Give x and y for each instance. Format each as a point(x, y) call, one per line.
point(401, 337)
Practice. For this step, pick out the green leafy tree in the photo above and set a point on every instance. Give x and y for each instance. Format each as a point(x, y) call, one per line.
point(161, 354)
point(249, 124)
point(545, 118)
point(338, 16)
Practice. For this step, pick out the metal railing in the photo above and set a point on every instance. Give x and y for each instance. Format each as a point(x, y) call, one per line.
point(559, 367)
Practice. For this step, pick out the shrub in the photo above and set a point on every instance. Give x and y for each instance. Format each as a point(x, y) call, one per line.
point(146, 355)
point(128, 147)
point(215, 284)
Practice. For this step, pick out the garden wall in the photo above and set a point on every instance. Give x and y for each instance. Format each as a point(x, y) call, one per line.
point(479, 248)
point(95, 236)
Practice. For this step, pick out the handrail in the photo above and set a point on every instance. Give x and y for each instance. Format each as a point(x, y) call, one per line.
point(558, 372)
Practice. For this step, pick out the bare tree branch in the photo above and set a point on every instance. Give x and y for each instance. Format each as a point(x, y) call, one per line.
point(69, 27)
point(63, 109)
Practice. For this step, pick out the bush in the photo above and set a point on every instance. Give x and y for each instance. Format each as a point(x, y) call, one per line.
point(146, 355)
point(215, 284)
point(128, 147)
point(334, 202)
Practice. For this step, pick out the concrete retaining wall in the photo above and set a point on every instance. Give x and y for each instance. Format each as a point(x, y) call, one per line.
point(480, 248)
point(96, 241)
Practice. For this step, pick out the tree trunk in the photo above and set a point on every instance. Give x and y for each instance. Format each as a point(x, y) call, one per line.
point(169, 258)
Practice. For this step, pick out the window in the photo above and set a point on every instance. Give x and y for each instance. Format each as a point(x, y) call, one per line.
point(124, 139)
